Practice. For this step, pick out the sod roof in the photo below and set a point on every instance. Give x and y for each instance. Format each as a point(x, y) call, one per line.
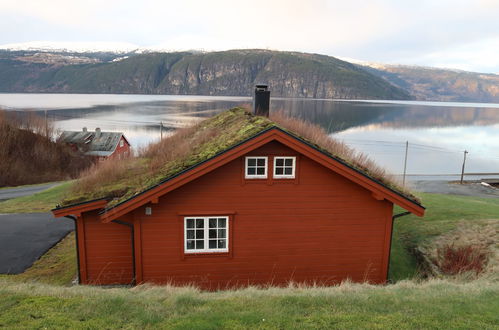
point(119, 181)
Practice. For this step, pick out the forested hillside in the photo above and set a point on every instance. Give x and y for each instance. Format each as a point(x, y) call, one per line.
point(288, 74)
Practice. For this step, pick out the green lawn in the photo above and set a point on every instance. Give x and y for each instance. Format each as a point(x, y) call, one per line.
point(406, 305)
point(25, 302)
point(443, 213)
point(41, 202)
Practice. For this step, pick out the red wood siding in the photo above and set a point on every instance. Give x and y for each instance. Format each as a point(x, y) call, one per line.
point(107, 255)
point(319, 227)
point(121, 152)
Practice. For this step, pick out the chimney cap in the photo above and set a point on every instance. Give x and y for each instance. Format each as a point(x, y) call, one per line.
point(261, 87)
point(97, 129)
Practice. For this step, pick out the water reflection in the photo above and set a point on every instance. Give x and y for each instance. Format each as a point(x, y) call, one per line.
point(437, 135)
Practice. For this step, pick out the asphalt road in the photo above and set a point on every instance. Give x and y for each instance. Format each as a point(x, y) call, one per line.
point(25, 237)
point(444, 187)
point(9, 193)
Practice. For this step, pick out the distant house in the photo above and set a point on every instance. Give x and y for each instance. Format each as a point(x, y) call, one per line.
point(267, 208)
point(98, 144)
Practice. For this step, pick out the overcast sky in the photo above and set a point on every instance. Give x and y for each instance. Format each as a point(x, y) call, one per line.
point(461, 34)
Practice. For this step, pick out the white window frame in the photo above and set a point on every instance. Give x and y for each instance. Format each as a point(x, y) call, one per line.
point(284, 176)
point(206, 239)
point(256, 176)
point(122, 143)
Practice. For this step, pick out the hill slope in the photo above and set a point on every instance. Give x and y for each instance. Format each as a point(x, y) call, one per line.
point(27, 157)
point(433, 84)
point(234, 72)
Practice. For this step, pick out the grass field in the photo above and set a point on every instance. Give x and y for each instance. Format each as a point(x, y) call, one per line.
point(41, 202)
point(26, 302)
point(405, 305)
point(443, 214)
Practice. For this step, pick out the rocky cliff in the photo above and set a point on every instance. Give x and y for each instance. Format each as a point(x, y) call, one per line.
point(289, 74)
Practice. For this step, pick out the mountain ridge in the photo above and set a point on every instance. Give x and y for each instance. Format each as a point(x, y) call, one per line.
point(234, 72)
point(229, 73)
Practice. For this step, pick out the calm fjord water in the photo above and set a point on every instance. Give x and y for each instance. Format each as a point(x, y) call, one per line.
point(438, 132)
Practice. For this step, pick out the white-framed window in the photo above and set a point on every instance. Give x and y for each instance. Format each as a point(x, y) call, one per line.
point(206, 234)
point(284, 167)
point(256, 168)
point(122, 143)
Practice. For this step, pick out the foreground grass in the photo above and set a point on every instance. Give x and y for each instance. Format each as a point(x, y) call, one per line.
point(435, 304)
point(443, 214)
point(57, 266)
point(41, 202)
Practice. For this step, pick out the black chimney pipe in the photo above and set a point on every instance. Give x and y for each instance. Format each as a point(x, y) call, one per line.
point(261, 102)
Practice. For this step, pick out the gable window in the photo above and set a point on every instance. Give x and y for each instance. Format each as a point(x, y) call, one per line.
point(256, 168)
point(122, 143)
point(284, 167)
point(206, 234)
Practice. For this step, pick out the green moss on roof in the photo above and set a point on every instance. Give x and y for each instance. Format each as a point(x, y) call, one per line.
point(223, 131)
point(205, 140)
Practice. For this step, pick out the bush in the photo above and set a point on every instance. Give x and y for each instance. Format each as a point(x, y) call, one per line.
point(454, 260)
point(28, 155)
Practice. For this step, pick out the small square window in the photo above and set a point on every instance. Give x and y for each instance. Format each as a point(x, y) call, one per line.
point(284, 167)
point(206, 234)
point(256, 168)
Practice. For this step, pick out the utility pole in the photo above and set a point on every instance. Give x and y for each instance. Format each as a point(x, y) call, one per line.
point(46, 125)
point(405, 161)
point(464, 163)
point(161, 130)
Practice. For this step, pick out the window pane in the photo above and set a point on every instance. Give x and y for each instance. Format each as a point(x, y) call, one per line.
point(279, 162)
point(190, 245)
point(190, 234)
point(212, 244)
point(213, 222)
point(221, 222)
point(190, 223)
point(288, 171)
point(260, 171)
point(289, 162)
point(212, 233)
point(261, 161)
point(199, 244)
point(279, 171)
point(199, 233)
point(222, 243)
point(251, 161)
point(221, 233)
point(199, 223)
point(251, 171)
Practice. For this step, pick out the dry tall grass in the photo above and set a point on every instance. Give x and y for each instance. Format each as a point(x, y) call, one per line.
point(319, 136)
point(119, 180)
point(470, 250)
point(26, 157)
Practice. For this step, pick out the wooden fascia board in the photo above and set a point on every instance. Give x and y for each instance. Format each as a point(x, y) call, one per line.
point(349, 173)
point(156, 192)
point(79, 209)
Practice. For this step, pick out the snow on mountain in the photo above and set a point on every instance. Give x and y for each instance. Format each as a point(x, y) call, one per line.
point(88, 47)
point(79, 47)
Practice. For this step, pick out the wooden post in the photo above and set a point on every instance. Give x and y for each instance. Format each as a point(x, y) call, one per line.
point(161, 129)
point(464, 163)
point(46, 125)
point(405, 162)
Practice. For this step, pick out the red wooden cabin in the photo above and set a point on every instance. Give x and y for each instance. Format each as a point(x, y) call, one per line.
point(98, 145)
point(270, 210)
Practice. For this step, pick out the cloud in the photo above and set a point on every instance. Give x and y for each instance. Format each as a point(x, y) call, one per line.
point(377, 30)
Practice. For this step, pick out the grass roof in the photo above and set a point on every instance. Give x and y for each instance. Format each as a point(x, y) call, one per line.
point(119, 180)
